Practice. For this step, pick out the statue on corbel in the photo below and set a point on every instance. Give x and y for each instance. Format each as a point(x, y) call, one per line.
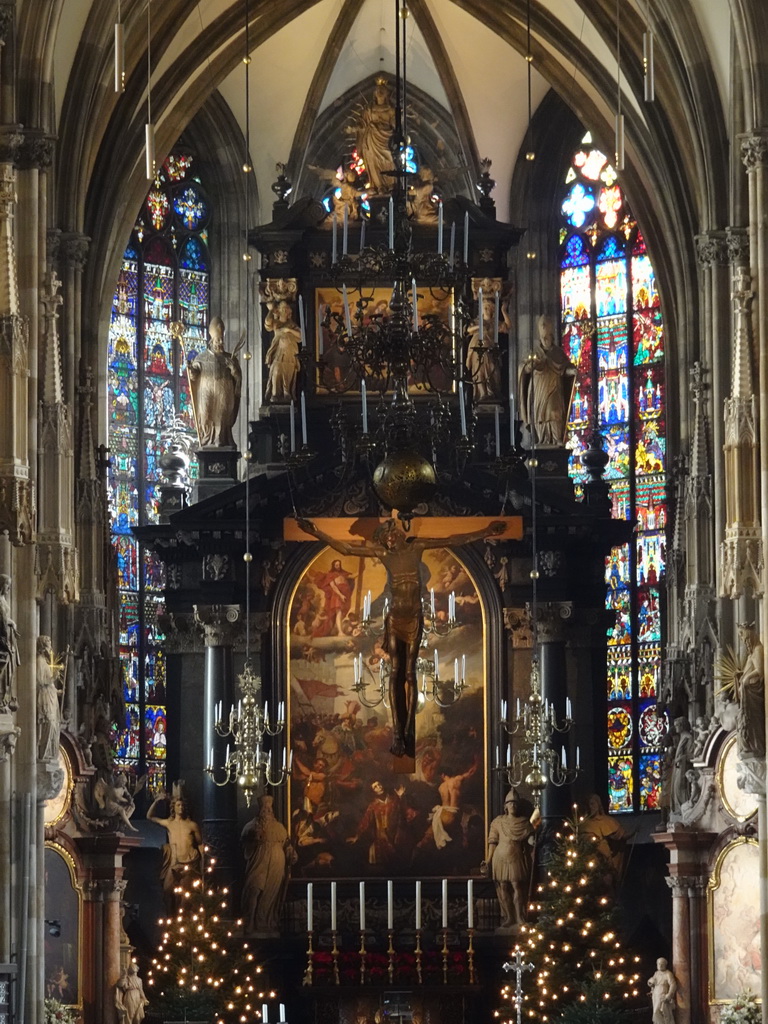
point(279, 294)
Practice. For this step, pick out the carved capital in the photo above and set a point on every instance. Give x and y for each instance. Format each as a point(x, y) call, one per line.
point(517, 623)
point(217, 623)
point(11, 139)
point(73, 249)
point(681, 885)
point(36, 150)
point(551, 618)
point(738, 246)
point(711, 248)
point(754, 149)
point(741, 557)
point(100, 890)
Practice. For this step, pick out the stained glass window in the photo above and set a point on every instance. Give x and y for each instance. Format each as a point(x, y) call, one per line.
point(613, 331)
point(164, 279)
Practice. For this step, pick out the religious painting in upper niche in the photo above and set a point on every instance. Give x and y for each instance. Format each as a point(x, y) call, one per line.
point(351, 813)
point(336, 366)
point(735, 954)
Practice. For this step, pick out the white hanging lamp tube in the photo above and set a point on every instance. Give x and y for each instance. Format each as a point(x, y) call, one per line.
point(119, 52)
point(619, 121)
point(149, 128)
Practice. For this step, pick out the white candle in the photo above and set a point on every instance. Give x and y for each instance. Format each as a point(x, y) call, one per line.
point(462, 410)
point(509, 754)
point(440, 228)
point(347, 314)
point(226, 756)
point(304, 419)
point(333, 906)
point(415, 305)
point(456, 671)
point(362, 234)
point(497, 424)
point(503, 711)
point(390, 905)
point(391, 223)
point(577, 758)
point(496, 318)
point(437, 671)
point(310, 888)
point(418, 905)
point(334, 242)
point(282, 1013)
point(302, 326)
point(463, 667)
point(264, 1012)
point(432, 601)
point(345, 232)
point(466, 237)
point(512, 421)
point(563, 760)
point(445, 903)
point(480, 324)
point(293, 427)
point(498, 762)
point(210, 760)
point(453, 243)
point(470, 904)
point(364, 399)
point(362, 906)
point(149, 144)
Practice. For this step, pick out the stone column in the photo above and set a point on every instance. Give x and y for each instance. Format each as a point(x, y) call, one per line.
point(218, 623)
point(681, 945)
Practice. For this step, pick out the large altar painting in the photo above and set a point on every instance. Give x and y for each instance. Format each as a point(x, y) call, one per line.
point(62, 933)
point(351, 813)
point(734, 922)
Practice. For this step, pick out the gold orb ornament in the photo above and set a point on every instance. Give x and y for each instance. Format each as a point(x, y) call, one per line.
point(403, 480)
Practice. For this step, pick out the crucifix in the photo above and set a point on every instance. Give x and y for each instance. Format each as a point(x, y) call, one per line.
point(401, 554)
point(518, 968)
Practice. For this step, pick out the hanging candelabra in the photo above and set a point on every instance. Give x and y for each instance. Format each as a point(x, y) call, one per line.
point(536, 762)
point(248, 763)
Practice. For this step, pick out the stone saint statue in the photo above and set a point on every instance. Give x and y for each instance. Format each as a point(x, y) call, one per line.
point(749, 691)
point(283, 354)
point(509, 859)
point(400, 554)
point(483, 360)
point(373, 133)
point(129, 996)
point(545, 388)
point(610, 837)
point(216, 380)
point(9, 641)
point(182, 854)
point(679, 783)
point(48, 674)
point(663, 986)
point(269, 857)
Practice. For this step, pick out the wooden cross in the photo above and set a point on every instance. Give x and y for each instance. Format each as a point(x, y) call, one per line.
point(518, 968)
point(349, 529)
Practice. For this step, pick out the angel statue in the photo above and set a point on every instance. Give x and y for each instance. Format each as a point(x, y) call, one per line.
point(114, 798)
point(216, 381)
point(346, 192)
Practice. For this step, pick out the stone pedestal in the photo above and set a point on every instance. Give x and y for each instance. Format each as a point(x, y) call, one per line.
point(217, 471)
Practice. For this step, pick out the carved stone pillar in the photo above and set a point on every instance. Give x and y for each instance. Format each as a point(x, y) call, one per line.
point(72, 257)
point(689, 852)
point(218, 623)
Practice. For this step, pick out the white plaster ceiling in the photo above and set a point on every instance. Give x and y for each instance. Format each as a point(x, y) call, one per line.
point(490, 74)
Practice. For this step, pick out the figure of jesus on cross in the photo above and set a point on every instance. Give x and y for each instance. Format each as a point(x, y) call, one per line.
point(400, 553)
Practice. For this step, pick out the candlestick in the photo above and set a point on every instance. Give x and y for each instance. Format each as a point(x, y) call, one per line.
point(440, 228)
point(470, 905)
point(418, 905)
point(304, 419)
point(466, 237)
point(498, 431)
point(362, 906)
point(390, 905)
point(333, 906)
point(293, 427)
point(445, 902)
point(462, 410)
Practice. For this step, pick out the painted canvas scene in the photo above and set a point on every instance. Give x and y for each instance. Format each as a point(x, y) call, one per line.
point(351, 812)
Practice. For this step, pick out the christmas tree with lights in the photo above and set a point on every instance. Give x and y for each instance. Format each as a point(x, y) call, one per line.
point(582, 974)
point(204, 969)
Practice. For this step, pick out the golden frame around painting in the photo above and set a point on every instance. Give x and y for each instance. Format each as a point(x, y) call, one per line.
point(333, 370)
point(733, 922)
point(63, 904)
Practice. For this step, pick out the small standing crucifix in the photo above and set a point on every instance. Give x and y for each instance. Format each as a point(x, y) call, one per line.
point(518, 968)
